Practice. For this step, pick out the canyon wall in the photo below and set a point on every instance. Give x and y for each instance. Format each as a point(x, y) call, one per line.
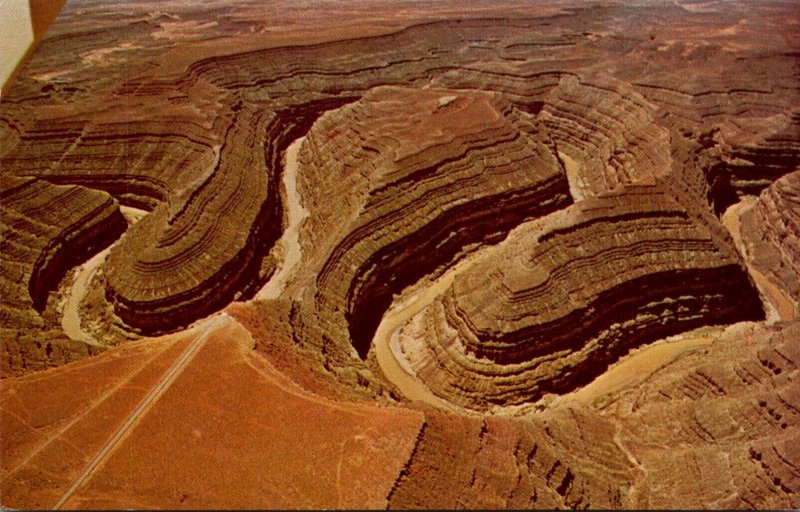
point(40, 241)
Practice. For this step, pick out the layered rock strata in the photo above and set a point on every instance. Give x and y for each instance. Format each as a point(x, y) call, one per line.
point(400, 182)
point(185, 259)
point(499, 463)
point(209, 244)
point(132, 149)
point(771, 231)
point(559, 300)
point(615, 101)
point(606, 133)
point(728, 415)
point(46, 230)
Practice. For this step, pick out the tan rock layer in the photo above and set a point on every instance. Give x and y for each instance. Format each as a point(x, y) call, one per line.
point(717, 428)
point(772, 233)
point(608, 128)
point(415, 177)
point(45, 231)
point(35, 225)
point(564, 297)
point(126, 159)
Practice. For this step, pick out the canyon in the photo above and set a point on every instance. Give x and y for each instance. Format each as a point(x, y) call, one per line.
point(403, 255)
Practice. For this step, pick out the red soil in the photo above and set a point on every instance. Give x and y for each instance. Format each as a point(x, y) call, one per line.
point(260, 439)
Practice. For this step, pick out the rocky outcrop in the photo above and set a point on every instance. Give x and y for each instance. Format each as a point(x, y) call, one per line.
point(414, 178)
point(499, 463)
point(46, 230)
point(562, 298)
point(185, 259)
point(729, 416)
point(210, 245)
point(124, 158)
point(771, 231)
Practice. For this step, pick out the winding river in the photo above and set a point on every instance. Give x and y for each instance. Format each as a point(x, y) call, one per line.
point(386, 341)
point(71, 316)
point(290, 240)
point(630, 370)
point(780, 305)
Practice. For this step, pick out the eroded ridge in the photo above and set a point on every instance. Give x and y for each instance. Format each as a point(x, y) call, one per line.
point(186, 259)
point(207, 242)
point(771, 230)
point(563, 297)
point(485, 206)
point(728, 413)
point(46, 230)
point(400, 182)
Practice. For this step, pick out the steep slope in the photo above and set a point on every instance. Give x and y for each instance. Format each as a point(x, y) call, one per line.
point(187, 260)
point(142, 105)
point(414, 178)
point(562, 298)
point(771, 232)
point(45, 231)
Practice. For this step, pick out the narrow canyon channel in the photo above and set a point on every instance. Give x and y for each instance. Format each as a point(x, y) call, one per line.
point(780, 305)
point(629, 371)
point(71, 315)
point(572, 167)
point(290, 240)
point(386, 343)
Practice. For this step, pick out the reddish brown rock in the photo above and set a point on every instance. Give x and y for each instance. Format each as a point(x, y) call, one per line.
point(493, 463)
point(771, 231)
point(565, 67)
point(417, 177)
point(45, 231)
point(530, 190)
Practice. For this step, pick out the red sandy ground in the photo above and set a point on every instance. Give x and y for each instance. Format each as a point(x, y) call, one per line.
point(230, 431)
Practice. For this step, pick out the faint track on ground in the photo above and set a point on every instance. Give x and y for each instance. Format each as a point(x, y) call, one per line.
point(157, 390)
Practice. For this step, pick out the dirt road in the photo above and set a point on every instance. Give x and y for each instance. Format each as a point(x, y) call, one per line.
point(207, 328)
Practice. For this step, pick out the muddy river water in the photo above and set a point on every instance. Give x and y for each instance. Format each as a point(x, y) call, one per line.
point(628, 371)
